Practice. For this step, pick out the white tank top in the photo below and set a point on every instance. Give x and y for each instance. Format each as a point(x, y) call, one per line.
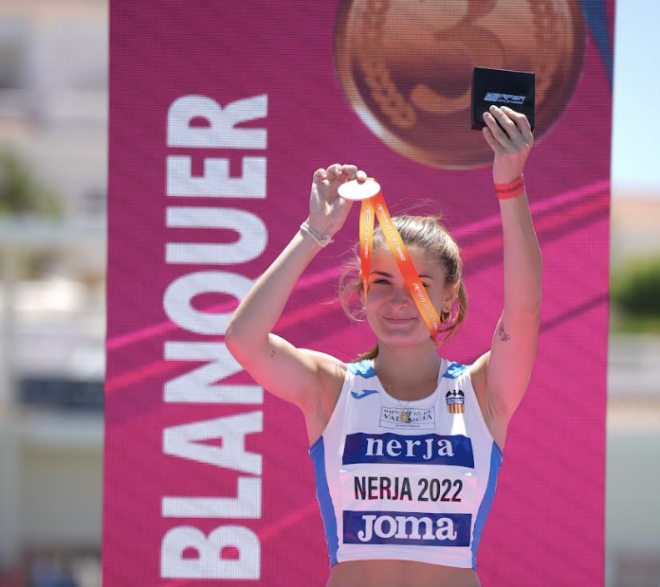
point(417, 490)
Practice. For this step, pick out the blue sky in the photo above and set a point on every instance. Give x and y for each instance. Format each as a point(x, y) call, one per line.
point(636, 124)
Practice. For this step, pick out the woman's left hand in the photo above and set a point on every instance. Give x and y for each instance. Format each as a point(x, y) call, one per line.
point(511, 141)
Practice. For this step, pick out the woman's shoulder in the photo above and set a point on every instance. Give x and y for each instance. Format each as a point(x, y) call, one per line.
point(477, 373)
point(331, 369)
point(337, 369)
point(332, 373)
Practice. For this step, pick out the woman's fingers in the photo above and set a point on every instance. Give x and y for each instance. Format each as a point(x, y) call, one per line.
point(334, 171)
point(492, 141)
point(521, 123)
point(495, 130)
point(350, 171)
point(510, 144)
point(511, 129)
point(506, 124)
point(341, 173)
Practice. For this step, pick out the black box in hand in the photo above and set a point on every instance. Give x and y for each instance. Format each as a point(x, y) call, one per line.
point(514, 89)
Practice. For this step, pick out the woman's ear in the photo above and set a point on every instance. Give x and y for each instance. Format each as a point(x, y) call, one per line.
point(451, 295)
point(360, 291)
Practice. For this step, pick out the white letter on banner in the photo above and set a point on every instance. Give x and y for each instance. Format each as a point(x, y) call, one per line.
point(181, 441)
point(221, 132)
point(216, 180)
point(196, 386)
point(247, 503)
point(252, 232)
point(209, 564)
point(179, 294)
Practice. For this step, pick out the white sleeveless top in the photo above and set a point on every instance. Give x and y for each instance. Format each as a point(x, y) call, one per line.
point(418, 490)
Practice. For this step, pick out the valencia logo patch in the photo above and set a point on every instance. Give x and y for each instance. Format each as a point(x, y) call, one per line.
point(455, 401)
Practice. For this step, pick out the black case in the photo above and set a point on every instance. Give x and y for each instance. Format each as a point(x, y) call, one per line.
point(514, 89)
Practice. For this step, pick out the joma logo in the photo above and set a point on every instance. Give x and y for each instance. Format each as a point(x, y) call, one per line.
point(407, 528)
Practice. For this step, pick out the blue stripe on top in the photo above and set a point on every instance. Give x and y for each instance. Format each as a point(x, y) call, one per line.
point(454, 370)
point(484, 509)
point(364, 369)
point(317, 452)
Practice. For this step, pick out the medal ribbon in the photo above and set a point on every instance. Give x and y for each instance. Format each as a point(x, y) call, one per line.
point(375, 207)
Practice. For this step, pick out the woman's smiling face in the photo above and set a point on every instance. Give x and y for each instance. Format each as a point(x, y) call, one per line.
point(390, 308)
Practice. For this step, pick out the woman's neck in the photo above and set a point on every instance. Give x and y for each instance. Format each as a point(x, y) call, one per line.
point(408, 373)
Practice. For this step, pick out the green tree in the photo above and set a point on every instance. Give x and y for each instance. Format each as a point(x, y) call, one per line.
point(21, 193)
point(635, 291)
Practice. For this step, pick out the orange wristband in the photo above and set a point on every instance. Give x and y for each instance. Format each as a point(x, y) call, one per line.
point(505, 191)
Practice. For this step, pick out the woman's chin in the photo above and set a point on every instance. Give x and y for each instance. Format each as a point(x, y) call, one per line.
point(400, 338)
point(404, 333)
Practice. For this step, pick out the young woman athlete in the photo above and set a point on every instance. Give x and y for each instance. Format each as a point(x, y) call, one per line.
point(406, 445)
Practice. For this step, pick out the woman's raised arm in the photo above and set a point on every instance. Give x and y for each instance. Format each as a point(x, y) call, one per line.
point(295, 375)
point(506, 369)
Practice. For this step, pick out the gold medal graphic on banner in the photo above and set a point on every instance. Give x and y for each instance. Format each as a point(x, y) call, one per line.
point(406, 66)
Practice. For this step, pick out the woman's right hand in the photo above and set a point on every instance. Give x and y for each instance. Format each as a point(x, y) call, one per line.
point(327, 209)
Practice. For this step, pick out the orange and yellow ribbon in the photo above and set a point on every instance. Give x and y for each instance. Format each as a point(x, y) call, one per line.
point(375, 207)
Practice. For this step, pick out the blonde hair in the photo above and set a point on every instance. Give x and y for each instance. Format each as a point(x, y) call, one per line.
point(430, 236)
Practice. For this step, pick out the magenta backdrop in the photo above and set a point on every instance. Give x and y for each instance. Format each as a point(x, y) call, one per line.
point(546, 527)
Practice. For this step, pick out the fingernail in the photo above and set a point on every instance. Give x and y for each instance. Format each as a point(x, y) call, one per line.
point(493, 108)
point(486, 115)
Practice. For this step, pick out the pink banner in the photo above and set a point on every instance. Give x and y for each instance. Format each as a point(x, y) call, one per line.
point(219, 114)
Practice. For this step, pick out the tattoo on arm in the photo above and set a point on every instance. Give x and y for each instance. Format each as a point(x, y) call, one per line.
point(504, 337)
